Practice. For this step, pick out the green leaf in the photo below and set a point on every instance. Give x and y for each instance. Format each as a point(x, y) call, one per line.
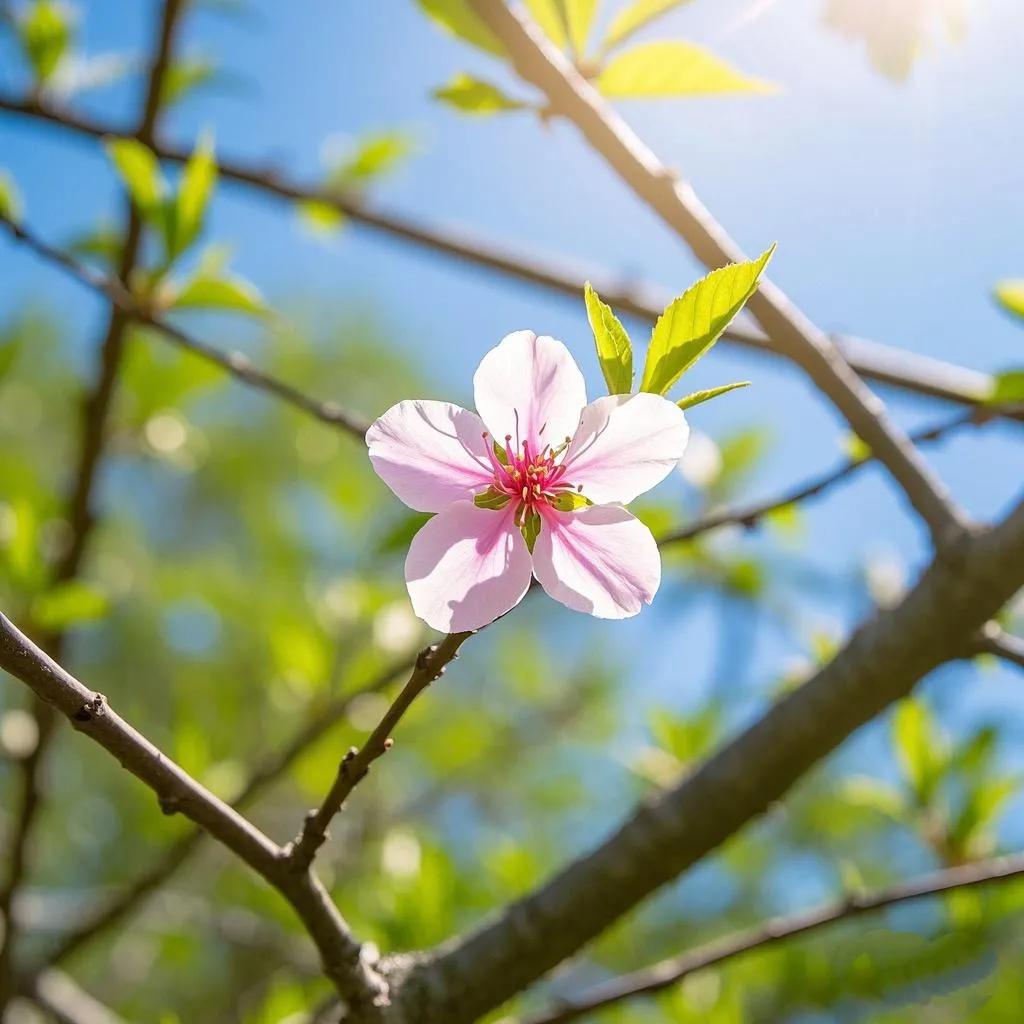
point(548, 14)
point(475, 96)
point(492, 499)
point(578, 16)
point(695, 321)
point(1010, 295)
point(220, 291)
point(197, 184)
point(632, 18)
point(372, 156)
point(981, 807)
point(614, 349)
point(68, 604)
point(1007, 387)
point(10, 198)
point(322, 219)
point(667, 68)
point(875, 795)
point(458, 18)
point(184, 76)
point(570, 501)
point(140, 171)
point(920, 748)
point(698, 397)
point(45, 31)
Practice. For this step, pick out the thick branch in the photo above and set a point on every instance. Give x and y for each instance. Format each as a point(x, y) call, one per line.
point(907, 371)
point(178, 792)
point(966, 585)
point(658, 977)
point(355, 765)
point(236, 363)
point(539, 62)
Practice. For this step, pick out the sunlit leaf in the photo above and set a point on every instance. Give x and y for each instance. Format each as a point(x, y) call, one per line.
point(694, 322)
point(185, 76)
point(140, 171)
point(920, 748)
point(474, 96)
point(578, 16)
point(614, 349)
point(1007, 387)
point(371, 157)
point(45, 31)
point(635, 16)
point(321, 219)
point(220, 292)
point(458, 18)
point(549, 15)
point(69, 604)
point(1010, 295)
point(699, 397)
point(197, 184)
point(669, 68)
point(10, 198)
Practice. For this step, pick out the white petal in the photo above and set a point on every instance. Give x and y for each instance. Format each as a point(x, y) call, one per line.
point(601, 560)
point(429, 453)
point(466, 567)
point(625, 445)
point(531, 388)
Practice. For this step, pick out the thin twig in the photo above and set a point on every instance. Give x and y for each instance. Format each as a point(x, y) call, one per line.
point(543, 65)
point(89, 712)
point(318, 722)
point(94, 413)
point(996, 641)
point(235, 363)
point(354, 766)
point(752, 514)
point(663, 975)
point(907, 371)
point(68, 1003)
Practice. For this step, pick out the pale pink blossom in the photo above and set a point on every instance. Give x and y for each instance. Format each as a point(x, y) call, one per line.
point(538, 467)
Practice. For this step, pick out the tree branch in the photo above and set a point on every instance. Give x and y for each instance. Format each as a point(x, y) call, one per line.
point(964, 587)
point(237, 364)
point(658, 977)
point(539, 62)
point(95, 410)
point(68, 1003)
point(750, 515)
point(907, 371)
point(320, 720)
point(430, 664)
point(343, 958)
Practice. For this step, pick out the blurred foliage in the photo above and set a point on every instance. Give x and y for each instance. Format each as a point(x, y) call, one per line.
point(247, 568)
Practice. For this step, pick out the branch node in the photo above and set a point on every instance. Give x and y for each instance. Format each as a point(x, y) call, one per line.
point(91, 709)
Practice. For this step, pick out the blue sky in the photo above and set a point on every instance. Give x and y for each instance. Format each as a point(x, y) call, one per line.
point(896, 207)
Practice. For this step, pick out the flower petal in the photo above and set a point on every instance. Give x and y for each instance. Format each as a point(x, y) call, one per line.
point(625, 445)
point(466, 567)
point(429, 453)
point(601, 560)
point(535, 378)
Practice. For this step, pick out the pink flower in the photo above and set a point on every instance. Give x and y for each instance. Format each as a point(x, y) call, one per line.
point(537, 469)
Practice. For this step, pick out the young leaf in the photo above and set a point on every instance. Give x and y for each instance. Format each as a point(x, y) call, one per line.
point(699, 397)
point(458, 17)
point(220, 292)
point(633, 18)
point(548, 14)
point(374, 155)
point(184, 76)
point(321, 219)
point(475, 96)
point(10, 198)
point(1007, 387)
point(578, 16)
point(667, 68)
point(614, 350)
point(140, 171)
point(693, 322)
point(68, 604)
point(1010, 295)
point(45, 31)
point(197, 183)
point(919, 747)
